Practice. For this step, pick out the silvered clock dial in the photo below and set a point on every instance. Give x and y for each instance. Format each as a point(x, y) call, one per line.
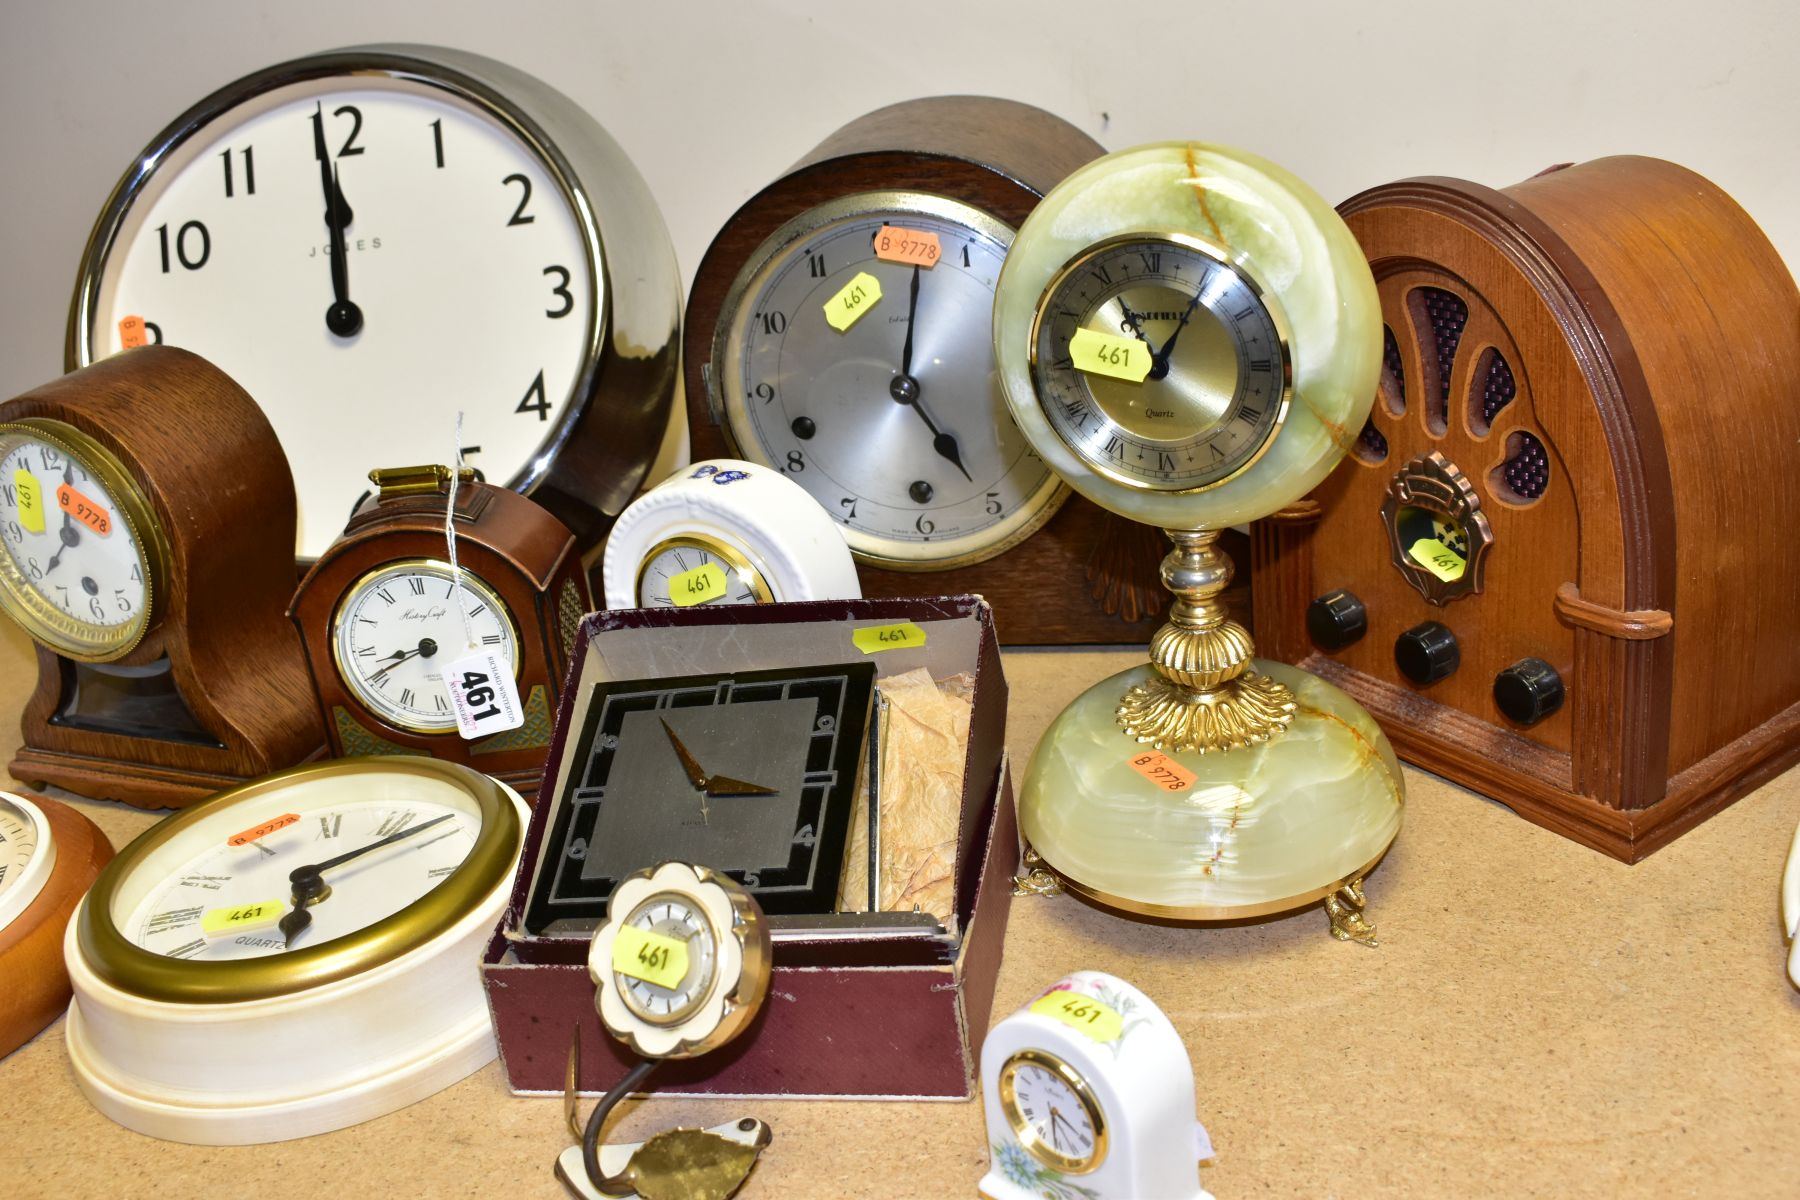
point(372, 240)
point(895, 423)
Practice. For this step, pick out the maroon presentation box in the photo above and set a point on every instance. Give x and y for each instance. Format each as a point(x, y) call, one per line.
point(864, 1016)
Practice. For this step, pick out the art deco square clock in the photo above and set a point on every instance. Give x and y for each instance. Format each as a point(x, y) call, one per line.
point(754, 774)
point(382, 620)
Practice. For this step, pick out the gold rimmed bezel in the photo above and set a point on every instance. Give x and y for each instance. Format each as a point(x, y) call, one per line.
point(734, 558)
point(725, 383)
point(67, 635)
point(1220, 258)
point(709, 929)
point(428, 566)
point(124, 964)
point(1022, 1127)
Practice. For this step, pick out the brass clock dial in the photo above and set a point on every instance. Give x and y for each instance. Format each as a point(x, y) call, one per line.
point(1213, 385)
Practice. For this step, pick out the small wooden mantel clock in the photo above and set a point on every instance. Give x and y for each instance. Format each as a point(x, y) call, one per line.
point(380, 619)
point(840, 330)
point(146, 522)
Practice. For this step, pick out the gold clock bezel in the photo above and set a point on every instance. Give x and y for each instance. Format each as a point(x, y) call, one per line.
point(353, 684)
point(1198, 245)
point(40, 618)
point(724, 391)
point(674, 1016)
point(128, 966)
point(734, 558)
point(1021, 1125)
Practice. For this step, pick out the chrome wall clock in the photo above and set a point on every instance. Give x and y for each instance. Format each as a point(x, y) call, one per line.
point(332, 896)
point(372, 239)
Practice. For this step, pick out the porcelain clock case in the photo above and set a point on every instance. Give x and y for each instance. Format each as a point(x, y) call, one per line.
point(49, 854)
point(144, 509)
point(371, 240)
point(207, 1011)
point(379, 619)
point(896, 424)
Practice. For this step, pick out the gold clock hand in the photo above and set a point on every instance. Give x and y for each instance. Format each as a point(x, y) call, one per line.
point(696, 775)
point(725, 785)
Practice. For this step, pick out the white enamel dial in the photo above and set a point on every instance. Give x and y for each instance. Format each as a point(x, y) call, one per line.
point(464, 259)
point(398, 628)
point(673, 915)
point(1055, 1121)
point(27, 854)
point(212, 878)
point(72, 558)
point(896, 425)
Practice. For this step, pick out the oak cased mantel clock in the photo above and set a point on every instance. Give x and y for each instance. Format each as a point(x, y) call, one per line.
point(380, 619)
point(895, 423)
point(145, 515)
point(374, 238)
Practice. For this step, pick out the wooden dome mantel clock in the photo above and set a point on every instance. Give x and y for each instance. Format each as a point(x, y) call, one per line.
point(372, 239)
point(1558, 566)
point(1189, 336)
point(839, 331)
point(380, 619)
point(145, 512)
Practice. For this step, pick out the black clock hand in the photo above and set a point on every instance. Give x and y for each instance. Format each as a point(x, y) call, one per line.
point(427, 647)
point(70, 535)
point(309, 886)
point(1159, 365)
point(1136, 325)
point(343, 318)
point(905, 389)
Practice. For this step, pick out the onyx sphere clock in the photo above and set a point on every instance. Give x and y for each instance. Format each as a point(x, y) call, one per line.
point(839, 331)
point(381, 619)
point(145, 514)
point(373, 239)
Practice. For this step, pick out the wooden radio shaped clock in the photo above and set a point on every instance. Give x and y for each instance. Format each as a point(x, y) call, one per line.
point(1558, 567)
point(839, 330)
point(381, 620)
point(146, 512)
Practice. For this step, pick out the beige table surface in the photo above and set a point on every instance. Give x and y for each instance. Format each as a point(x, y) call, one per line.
point(1539, 1020)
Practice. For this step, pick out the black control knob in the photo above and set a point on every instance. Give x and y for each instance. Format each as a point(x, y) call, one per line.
point(1528, 691)
point(1427, 653)
point(1336, 620)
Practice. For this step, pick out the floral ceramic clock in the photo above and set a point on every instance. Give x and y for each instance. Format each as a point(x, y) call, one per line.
point(1090, 1096)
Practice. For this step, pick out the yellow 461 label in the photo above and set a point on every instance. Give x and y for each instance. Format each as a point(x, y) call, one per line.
point(1081, 1012)
point(1437, 558)
point(31, 500)
point(852, 301)
point(1106, 354)
point(697, 586)
point(651, 957)
point(876, 638)
point(239, 918)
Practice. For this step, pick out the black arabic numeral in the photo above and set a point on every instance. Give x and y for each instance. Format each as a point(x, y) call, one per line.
point(437, 140)
point(519, 217)
point(764, 392)
point(772, 322)
point(815, 265)
point(540, 405)
point(561, 289)
point(993, 504)
point(850, 502)
point(155, 332)
point(796, 462)
point(925, 525)
point(249, 153)
point(181, 246)
point(350, 146)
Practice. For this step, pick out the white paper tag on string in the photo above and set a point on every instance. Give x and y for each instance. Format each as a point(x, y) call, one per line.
point(483, 696)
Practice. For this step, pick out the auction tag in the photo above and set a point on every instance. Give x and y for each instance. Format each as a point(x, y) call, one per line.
point(83, 509)
point(1106, 354)
point(697, 586)
point(914, 247)
point(237, 918)
point(648, 956)
point(31, 501)
point(483, 695)
point(1437, 558)
point(132, 333)
point(877, 638)
point(1081, 1012)
point(852, 301)
point(263, 830)
point(1163, 771)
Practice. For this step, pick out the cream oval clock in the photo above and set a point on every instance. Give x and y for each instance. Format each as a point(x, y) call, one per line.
point(370, 240)
point(331, 896)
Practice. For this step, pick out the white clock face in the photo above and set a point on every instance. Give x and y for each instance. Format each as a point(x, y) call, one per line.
point(26, 855)
point(398, 628)
point(222, 901)
point(1054, 1121)
point(675, 574)
point(673, 916)
point(465, 264)
point(70, 554)
point(896, 425)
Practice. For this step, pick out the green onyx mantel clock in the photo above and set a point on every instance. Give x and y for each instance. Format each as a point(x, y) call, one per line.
point(1189, 336)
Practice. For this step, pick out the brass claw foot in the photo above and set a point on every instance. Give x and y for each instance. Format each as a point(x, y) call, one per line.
point(1034, 879)
point(1345, 908)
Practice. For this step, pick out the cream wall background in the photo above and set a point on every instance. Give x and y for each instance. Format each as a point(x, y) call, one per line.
point(713, 99)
